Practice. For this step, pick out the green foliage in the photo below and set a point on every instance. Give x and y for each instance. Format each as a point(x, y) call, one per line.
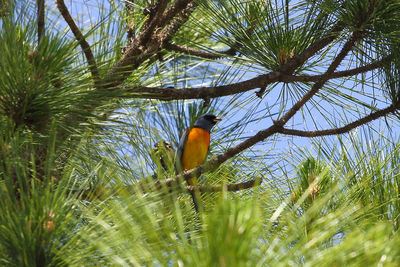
point(335, 220)
point(36, 206)
point(79, 190)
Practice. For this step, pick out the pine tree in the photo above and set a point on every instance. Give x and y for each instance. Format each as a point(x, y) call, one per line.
point(303, 170)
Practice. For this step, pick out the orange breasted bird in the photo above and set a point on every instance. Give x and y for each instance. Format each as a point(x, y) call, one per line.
point(193, 147)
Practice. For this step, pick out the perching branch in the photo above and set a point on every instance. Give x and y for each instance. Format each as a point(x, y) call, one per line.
point(90, 193)
point(172, 183)
point(227, 187)
point(80, 38)
point(40, 18)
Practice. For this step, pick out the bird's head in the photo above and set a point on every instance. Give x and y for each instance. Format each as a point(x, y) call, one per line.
point(206, 121)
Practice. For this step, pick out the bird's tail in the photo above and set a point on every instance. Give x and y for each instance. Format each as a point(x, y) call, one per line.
point(195, 193)
point(196, 205)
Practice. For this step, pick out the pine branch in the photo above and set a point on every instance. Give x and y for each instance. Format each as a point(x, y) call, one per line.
point(301, 58)
point(80, 38)
point(321, 82)
point(261, 81)
point(90, 193)
point(171, 93)
point(138, 52)
point(141, 49)
point(277, 125)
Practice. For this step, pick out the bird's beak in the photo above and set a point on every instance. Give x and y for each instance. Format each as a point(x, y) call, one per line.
point(217, 119)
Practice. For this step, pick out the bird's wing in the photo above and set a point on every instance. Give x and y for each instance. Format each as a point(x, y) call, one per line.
point(179, 152)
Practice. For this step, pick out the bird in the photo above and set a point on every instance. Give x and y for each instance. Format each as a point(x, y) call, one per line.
point(193, 148)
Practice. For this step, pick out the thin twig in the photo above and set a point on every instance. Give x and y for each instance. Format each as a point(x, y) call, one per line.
point(40, 18)
point(80, 38)
point(197, 53)
point(338, 74)
point(347, 128)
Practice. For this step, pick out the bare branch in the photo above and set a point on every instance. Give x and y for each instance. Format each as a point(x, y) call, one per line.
point(140, 50)
point(170, 93)
point(347, 128)
point(205, 54)
point(80, 38)
point(40, 18)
